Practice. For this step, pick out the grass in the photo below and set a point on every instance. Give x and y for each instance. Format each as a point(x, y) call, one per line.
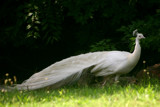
point(144, 94)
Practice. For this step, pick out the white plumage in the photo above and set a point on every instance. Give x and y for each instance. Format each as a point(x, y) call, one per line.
point(71, 69)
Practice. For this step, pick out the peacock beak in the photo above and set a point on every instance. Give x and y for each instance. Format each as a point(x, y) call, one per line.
point(143, 37)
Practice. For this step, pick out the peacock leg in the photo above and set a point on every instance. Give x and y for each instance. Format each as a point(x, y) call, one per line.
point(117, 78)
point(105, 79)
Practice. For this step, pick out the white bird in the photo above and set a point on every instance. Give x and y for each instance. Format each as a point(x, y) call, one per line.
point(68, 70)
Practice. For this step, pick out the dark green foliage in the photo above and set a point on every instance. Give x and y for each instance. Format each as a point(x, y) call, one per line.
point(149, 27)
point(25, 21)
point(50, 30)
point(104, 45)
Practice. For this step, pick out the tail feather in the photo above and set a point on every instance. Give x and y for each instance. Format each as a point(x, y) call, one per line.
point(6, 88)
point(69, 80)
point(55, 77)
point(79, 75)
point(63, 72)
point(53, 82)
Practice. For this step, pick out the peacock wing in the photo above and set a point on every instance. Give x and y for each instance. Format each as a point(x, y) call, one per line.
point(112, 63)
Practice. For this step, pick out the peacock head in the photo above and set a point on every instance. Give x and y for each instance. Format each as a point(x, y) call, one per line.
point(138, 35)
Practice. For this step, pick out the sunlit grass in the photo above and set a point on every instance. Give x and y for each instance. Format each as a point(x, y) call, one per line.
point(143, 94)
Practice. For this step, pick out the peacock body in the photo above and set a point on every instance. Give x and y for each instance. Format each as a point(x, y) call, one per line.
point(68, 70)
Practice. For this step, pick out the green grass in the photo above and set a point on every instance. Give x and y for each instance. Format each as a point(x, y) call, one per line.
point(116, 95)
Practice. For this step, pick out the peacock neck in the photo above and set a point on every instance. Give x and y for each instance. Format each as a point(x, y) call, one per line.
point(137, 50)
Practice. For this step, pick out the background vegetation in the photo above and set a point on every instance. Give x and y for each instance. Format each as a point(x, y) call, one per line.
point(36, 33)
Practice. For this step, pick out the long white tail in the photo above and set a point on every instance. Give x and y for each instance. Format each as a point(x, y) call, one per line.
point(63, 72)
point(54, 81)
